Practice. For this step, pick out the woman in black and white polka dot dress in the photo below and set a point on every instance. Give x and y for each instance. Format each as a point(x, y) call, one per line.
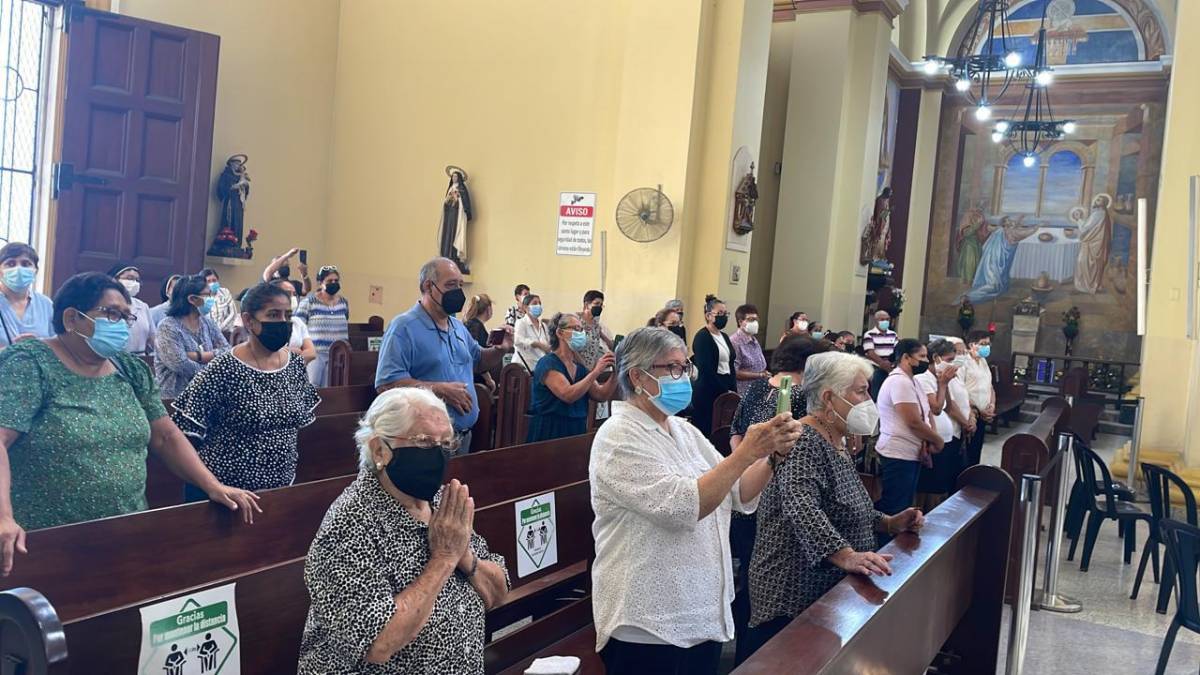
point(244, 411)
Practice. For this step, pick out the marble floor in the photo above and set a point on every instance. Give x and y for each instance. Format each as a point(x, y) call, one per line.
point(1112, 634)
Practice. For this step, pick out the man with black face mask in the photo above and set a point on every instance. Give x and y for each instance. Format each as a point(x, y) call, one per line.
point(428, 347)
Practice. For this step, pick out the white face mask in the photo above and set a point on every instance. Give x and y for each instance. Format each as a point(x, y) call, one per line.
point(802, 325)
point(294, 302)
point(751, 328)
point(133, 287)
point(862, 419)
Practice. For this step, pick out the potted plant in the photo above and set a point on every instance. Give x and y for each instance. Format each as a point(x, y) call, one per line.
point(1070, 327)
point(966, 316)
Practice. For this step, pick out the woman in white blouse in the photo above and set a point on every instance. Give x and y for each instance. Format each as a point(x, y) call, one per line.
point(530, 338)
point(662, 581)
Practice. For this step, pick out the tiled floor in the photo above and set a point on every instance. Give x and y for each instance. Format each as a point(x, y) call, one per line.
point(1112, 634)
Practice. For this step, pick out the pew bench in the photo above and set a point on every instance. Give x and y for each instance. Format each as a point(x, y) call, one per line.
point(1010, 395)
point(348, 366)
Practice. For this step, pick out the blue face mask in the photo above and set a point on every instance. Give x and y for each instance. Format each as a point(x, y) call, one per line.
point(207, 307)
point(673, 395)
point(108, 338)
point(985, 351)
point(19, 278)
point(214, 286)
point(535, 310)
point(578, 340)
point(885, 324)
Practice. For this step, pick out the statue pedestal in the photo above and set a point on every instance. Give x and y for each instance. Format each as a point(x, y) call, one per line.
point(211, 261)
point(1024, 338)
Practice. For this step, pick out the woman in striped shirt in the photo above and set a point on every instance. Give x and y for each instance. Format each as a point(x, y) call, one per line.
point(327, 315)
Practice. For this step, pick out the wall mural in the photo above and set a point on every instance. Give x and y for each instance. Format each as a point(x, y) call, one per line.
point(1061, 233)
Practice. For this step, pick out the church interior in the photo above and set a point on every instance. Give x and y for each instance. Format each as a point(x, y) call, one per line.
point(1021, 177)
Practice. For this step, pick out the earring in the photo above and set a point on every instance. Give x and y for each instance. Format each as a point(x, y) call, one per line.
point(379, 466)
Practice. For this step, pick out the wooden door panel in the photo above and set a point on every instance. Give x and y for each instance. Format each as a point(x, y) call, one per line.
point(138, 134)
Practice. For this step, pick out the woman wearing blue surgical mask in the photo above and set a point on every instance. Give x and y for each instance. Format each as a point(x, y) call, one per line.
point(187, 339)
point(24, 313)
point(224, 311)
point(76, 418)
point(562, 385)
point(662, 581)
point(530, 338)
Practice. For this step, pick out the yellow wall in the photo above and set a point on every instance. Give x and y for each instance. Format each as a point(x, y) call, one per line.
point(274, 103)
point(1169, 380)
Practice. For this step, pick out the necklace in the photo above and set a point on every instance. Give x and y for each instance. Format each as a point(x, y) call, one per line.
point(829, 433)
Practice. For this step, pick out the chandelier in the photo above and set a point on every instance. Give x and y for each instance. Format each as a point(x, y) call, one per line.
point(993, 69)
point(1037, 129)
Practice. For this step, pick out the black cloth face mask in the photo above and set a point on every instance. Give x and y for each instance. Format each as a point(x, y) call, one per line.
point(721, 321)
point(417, 472)
point(274, 335)
point(920, 367)
point(333, 287)
point(596, 309)
point(679, 331)
point(453, 300)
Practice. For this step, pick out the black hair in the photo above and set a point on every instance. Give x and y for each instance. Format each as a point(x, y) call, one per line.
point(184, 289)
point(519, 289)
point(162, 292)
point(122, 267)
point(259, 295)
point(940, 347)
point(741, 312)
point(591, 296)
point(792, 354)
point(528, 300)
point(711, 301)
point(278, 283)
point(906, 347)
point(846, 333)
point(792, 319)
point(977, 336)
point(16, 249)
point(209, 272)
point(82, 292)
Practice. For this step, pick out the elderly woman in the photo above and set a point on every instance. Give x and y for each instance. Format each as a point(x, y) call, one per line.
point(24, 313)
point(76, 418)
point(399, 582)
point(816, 522)
point(716, 362)
point(530, 339)
point(141, 333)
point(662, 581)
point(188, 339)
point(244, 411)
point(907, 435)
point(562, 386)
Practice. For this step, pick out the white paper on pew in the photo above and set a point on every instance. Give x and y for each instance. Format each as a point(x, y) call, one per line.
point(536, 532)
point(193, 634)
point(554, 665)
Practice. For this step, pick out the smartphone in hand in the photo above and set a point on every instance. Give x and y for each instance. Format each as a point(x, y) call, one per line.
point(304, 256)
point(496, 337)
point(784, 404)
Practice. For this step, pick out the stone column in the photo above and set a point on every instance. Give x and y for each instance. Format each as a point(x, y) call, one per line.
point(1085, 190)
point(1043, 169)
point(998, 174)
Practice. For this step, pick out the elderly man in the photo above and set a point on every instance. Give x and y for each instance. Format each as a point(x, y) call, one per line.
point(427, 347)
point(878, 343)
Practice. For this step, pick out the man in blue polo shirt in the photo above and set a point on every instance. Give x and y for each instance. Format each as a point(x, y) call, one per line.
point(427, 347)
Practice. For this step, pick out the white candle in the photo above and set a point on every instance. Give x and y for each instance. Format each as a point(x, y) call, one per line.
point(1142, 266)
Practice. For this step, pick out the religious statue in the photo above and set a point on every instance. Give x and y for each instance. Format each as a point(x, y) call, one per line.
point(456, 213)
point(878, 235)
point(1095, 245)
point(233, 189)
point(744, 199)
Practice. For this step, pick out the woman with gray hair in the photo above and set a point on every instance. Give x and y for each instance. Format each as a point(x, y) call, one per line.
point(816, 522)
point(399, 581)
point(662, 581)
point(562, 387)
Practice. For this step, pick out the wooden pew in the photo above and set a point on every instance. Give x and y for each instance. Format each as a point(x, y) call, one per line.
point(1010, 395)
point(485, 425)
point(147, 557)
point(724, 408)
point(945, 596)
point(1086, 411)
point(349, 367)
point(512, 406)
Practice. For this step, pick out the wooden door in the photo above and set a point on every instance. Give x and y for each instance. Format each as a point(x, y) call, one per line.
point(132, 183)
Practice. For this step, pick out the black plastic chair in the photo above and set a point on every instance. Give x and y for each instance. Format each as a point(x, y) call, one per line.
point(1159, 483)
point(1103, 504)
point(1077, 504)
point(1183, 552)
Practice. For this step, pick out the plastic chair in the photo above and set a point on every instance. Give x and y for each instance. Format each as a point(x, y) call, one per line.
point(1103, 504)
point(1183, 553)
point(1077, 504)
point(1159, 483)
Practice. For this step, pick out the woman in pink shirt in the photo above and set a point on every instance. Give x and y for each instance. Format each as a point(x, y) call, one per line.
point(906, 427)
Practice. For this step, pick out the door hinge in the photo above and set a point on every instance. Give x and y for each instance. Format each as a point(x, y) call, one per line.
point(64, 177)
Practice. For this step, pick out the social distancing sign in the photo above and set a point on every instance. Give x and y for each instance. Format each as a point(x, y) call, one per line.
point(195, 634)
point(537, 539)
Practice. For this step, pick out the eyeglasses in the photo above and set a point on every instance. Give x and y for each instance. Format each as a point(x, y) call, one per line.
point(422, 441)
point(114, 315)
point(677, 370)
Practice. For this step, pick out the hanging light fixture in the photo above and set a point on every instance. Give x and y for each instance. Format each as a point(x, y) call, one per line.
point(1037, 129)
point(997, 65)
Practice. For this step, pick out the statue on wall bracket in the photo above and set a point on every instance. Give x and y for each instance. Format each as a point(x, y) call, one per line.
point(878, 234)
point(456, 214)
point(233, 189)
point(744, 200)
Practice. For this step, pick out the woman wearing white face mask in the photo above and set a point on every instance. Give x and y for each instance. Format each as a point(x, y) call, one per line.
point(816, 522)
point(751, 364)
point(141, 333)
point(24, 313)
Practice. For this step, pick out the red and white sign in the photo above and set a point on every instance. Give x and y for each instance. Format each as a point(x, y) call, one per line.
point(576, 223)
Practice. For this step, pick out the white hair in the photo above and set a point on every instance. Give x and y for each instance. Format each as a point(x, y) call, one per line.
point(832, 371)
point(955, 340)
point(429, 271)
point(641, 349)
point(393, 415)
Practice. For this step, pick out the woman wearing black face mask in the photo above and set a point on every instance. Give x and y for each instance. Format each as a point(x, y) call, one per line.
point(715, 360)
point(908, 435)
point(327, 315)
point(244, 411)
point(396, 574)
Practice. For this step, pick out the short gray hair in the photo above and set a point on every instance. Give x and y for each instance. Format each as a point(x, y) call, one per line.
point(429, 271)
point(832, 371)
point(641, 349)
point(674, 305)
point(393, 415)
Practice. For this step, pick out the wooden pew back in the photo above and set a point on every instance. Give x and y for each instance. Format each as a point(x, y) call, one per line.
point(349, 367)
point(512, 404)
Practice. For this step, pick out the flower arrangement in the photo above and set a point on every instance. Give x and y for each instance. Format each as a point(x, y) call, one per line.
point(1070, 327)
point(898, 299)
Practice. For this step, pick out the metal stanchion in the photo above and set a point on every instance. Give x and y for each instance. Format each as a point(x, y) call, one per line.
point(1135, 446)
point(1050, 599)
point(1018, 635)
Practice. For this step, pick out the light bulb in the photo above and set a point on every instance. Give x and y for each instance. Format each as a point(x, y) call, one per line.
point(997, 136)
point(983, 113)
point(1012, 59)
point(1044, 78)
point(1068, 127)
point(1029, 161)
point(931, 67)
point(1002, 126)
point(962, 84)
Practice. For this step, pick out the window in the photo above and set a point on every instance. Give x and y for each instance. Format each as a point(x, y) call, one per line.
point(25, 48)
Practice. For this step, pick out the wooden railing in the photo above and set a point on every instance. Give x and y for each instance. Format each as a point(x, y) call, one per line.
point(1107, 378)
